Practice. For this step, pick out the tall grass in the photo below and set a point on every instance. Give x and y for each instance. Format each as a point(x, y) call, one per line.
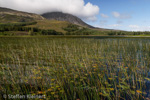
point(76, 68)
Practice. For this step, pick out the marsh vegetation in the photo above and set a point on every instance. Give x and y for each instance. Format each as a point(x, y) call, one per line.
point(76, 68)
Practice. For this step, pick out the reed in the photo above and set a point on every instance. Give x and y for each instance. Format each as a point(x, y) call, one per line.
point(76, 68)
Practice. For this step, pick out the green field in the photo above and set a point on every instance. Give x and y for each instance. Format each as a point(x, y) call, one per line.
point(75, 68)
point(51, 24)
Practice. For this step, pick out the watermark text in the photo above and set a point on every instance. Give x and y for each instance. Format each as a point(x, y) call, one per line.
point(20, 96)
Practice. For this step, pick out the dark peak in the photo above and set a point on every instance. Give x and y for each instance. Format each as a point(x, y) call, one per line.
point(65, 17)
point(59, 14)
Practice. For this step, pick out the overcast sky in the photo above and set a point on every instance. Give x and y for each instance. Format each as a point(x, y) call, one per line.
point(131, 15)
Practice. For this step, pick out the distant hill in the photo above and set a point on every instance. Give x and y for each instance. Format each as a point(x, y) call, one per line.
point(65, 17)
point(51, 24)
point(60, 22)
point(8, 15)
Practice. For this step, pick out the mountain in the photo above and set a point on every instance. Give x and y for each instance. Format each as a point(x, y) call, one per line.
point(8, 15)
point(58, 21)
point(65, 17)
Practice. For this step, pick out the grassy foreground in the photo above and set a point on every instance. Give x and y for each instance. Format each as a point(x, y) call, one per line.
point(75, 68)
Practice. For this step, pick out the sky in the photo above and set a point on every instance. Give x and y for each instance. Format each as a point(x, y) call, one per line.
point(128, 15)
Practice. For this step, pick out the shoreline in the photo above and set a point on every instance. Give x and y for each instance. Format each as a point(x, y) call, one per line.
point(78, 36)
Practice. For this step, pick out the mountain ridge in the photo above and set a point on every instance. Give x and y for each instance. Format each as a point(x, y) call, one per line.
point(65, 17)
point(11, 15)
point(8, 15)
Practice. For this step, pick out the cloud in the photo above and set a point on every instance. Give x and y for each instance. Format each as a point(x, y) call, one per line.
point(116, 14)
point(121, 16)
point(104, 16)
point(103, 22)
point(134, 26)
point(115, 25)
point(76, 7)
point(139, 28)
point(119, 22)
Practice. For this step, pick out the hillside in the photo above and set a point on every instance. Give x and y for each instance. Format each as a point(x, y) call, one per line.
point(51, 24)
point(65, 17)
point(8, 16)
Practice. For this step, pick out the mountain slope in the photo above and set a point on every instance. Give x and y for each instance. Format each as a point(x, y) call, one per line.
point(51, 24)
point(8, 15)
point(65, 17)
point(60, 22)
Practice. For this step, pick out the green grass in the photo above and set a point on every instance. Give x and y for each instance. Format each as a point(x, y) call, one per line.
point(75, 68)
point(51, 24)
point(62, 26)
point(6, 18)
